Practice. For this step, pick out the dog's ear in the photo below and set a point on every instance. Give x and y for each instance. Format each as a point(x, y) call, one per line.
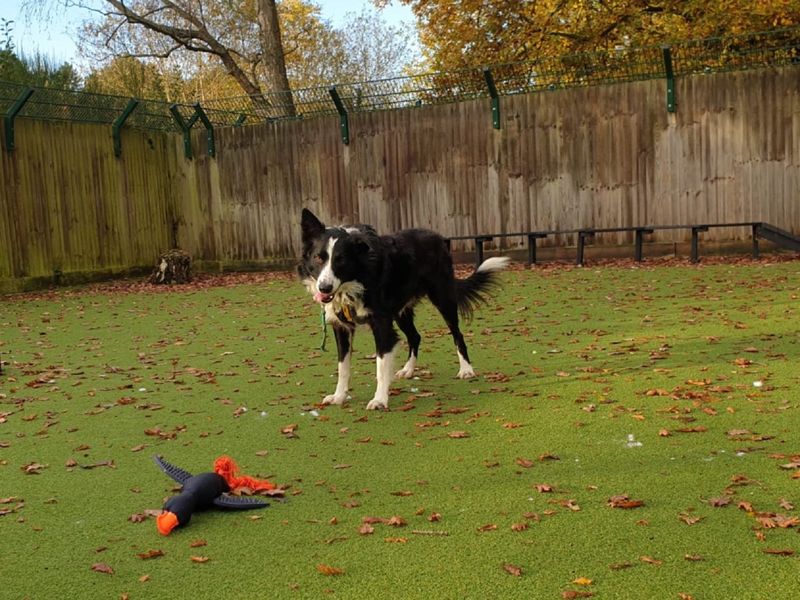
point(312, 227)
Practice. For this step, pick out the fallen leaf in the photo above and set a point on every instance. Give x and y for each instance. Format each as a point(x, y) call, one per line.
point(582, 581)
point(33, 468)
point(487, 527)
point(512, 570)
point(395, 540)
point(690, 520)
point(623, 501)
point(779, 552)
point(525, 463)
point(519, 527)
point(458, 434)
point(720, 502)
point(366, 529)
point(696, 429)
point(199, 559)
point(693, 557)
point(650, 560)
point(396, 521)
point(150, 554)
point(571, 594)
point(144, 578)
point(198, 543)
point(329, 570)
point(102, 568)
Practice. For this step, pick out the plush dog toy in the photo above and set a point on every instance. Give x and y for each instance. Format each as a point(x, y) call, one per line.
point(200, 492)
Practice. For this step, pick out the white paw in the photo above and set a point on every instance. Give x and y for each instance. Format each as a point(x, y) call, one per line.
point(334, 399)
point(466, 372)
point(378, 403)
point(404, 373)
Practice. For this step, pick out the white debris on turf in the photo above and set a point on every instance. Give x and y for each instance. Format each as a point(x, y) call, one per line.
point(632, 443)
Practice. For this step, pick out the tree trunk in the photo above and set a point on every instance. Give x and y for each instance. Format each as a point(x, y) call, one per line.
point(271, 43)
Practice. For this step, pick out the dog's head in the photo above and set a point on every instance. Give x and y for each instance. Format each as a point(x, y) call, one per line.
point(333, 257)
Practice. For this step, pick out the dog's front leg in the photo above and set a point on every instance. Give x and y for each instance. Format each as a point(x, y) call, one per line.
point(386, 340)
point(344, 339)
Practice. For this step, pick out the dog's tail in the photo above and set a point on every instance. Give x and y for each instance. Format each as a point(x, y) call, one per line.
point(472, 291)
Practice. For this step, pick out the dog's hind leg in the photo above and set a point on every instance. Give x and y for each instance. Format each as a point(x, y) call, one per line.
point(449, 309)
point(406, 323)
point(386, 340)
point(344, 342)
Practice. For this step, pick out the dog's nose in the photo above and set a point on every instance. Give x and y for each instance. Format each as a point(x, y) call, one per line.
point(324, 287)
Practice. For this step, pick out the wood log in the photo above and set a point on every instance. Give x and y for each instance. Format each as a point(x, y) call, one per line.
point(173, 266)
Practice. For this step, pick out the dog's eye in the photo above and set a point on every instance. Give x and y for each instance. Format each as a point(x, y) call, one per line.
point(319, 258)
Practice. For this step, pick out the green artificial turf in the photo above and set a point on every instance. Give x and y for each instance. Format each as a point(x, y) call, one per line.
point(593, 383)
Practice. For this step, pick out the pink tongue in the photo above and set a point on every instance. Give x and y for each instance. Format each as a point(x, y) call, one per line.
point(319, 297)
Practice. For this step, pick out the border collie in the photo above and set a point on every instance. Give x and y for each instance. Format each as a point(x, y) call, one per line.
point(361, 277)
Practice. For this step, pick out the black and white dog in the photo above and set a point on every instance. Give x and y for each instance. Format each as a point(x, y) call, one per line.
point(363, 278)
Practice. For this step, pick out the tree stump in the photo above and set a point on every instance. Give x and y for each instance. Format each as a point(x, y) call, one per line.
point(172, 267)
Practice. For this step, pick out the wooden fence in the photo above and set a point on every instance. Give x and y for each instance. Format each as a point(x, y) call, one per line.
point(603, 156)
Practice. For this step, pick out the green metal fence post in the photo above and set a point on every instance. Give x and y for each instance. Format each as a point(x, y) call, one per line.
point(116, 127)
point(487, 75)
point(184, 127)
point(344, 124)
point(668, 71)
point(199, 112)
point(12, 113)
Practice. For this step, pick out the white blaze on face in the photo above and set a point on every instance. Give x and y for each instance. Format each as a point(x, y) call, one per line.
point(326, 276)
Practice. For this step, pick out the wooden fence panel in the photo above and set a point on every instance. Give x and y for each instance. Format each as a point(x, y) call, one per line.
point(602, 156)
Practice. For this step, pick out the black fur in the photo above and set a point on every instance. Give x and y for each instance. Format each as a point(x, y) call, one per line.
point(396, 271)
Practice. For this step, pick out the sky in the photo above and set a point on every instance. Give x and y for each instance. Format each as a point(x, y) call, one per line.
point(56, 41)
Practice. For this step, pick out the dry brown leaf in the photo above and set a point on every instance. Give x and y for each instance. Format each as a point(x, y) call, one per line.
point(582, 581)
point(779, 552)
point(199, 559)
point(150, 554)
point(512, 570)
point(102, 568)
point(525, 463)
point(329, 570)
point(650, 560)
point(623, 501)
point(487, 527)
point(458, 434)
point(366, 529)
point(198, 543)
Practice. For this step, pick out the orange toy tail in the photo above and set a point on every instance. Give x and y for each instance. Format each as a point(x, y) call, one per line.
point(226, 468)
